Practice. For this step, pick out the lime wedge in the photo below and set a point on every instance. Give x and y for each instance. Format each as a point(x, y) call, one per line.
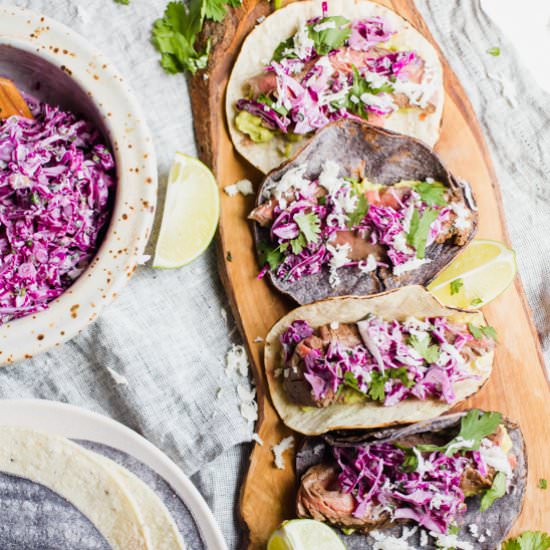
point(483, 271)
point(191, 213)
point(304, 534)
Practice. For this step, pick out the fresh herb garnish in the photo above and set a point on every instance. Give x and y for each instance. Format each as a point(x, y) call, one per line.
point(174, 35)
point(430, 353)
point(298, 244)
point(285, 50)
point(351, 380)
point(309, 225)
point(402, 375)
point(455, 286)
point(419, 230)
point(360, 211)
point(269, 255)
point(480, 331)
point(476, 302)
point(123, 2)
point(495, 51)
point(360, 86)
point(433, 194)
point(410, 463)
point(335, 31)
point(271, 103)
point(530, 540)
point(543, 483)
point(497, 490)
point(376, 386)
point(474, 426)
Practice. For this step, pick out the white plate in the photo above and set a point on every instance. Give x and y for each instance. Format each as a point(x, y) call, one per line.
point(76, 423)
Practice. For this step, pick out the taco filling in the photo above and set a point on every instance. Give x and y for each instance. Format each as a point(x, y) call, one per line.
point(378, 360)
point(424, 479)
point(351, 223)
point(334, 68)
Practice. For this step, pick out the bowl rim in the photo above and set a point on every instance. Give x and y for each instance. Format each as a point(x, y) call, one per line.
point(134, 204)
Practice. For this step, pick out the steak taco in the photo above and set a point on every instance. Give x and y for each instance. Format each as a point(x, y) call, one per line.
point(366, 362)
point(454, 482)
point(314, 62)
point(358, 211)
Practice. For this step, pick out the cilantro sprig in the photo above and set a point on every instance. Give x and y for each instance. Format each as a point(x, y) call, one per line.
point(175, 34)
point(480, 331)
point(430, 353)
point(529, 540)
point(419, 230)
point(496, 491)
point(269, 255)
point(432, 193)
point(455, 286)
point(360, 86)
point(337, 31)
point(474, 426)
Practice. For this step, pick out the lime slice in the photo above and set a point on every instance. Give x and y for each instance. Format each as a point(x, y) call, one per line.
point(191, 213)
point(482, 272)
point(304, 534)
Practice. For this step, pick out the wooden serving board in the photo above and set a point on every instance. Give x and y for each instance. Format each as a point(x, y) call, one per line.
point(518, 386)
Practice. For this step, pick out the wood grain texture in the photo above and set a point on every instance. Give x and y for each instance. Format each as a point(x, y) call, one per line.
point(518, 386)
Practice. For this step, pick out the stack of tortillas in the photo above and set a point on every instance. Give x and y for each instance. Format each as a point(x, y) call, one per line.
point(125, 510)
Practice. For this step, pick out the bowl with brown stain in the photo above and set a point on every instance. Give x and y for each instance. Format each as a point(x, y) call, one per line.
point(54, 65)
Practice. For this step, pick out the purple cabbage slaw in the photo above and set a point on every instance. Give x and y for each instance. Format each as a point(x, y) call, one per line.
point(386, 357)
point(56, 186)
point(311, 93)
point(431, 496)
point(380, 225)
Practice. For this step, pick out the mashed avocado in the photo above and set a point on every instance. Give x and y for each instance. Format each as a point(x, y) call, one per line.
point(251, 125)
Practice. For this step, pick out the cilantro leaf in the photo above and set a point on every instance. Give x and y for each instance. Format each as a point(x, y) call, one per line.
point(285, 50)
point(351, 380)
point(410, 463)
point(360, 211)
point(419, 230)
point(123, 2)
point(298, 244)
point(266, 100)
point(495, 51)
point(433, 194)
point(401, 374)
point(497, 490)
point(430, 353)
point(480, 331)
point(269, 255)
point(174, 35)
point(337, 32)
point(309, 225)
point(543, 483)
point(476, 302)
point(474, 426)
point(376, 386)
point(455, 286)
point(529, 540)
point(359, 87)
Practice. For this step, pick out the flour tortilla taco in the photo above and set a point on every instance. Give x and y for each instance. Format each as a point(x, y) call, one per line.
point(367, 362)
point(315, 62)
point(454, 482)
point(358, 211)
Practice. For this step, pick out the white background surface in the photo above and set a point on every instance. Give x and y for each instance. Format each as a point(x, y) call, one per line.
point(527, 25)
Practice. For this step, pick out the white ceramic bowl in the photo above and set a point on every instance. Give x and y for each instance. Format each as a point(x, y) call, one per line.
point(50, 61)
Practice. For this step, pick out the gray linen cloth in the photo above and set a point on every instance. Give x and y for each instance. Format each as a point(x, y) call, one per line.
point(166, 333)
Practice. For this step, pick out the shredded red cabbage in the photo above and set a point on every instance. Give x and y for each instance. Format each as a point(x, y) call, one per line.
point(388, 365)
point(431, 495)
point(316, 89)
point(56, 182)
